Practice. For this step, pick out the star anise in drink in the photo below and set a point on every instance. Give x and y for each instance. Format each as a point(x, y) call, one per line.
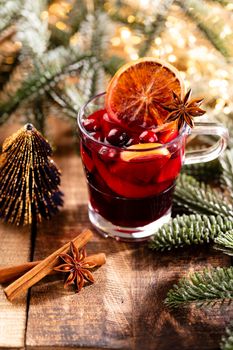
point(184, 110)
point(76, 265)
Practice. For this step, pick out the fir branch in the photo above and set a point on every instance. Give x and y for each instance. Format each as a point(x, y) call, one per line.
point(227, 171)
point(202, 288)
point(155, 27)
point(56, 65)
point(188, 230)
point(203, 171)
point(198, 197)
point(10, 10)
point(224, 242)
point(227, 339)
point(33, 29)
point(203, 15)
point(112, 64)
point(95, 33)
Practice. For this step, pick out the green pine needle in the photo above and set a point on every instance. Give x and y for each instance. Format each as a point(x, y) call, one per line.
point(224, 242)
point(227, 171)
point(205, 18)
point(190, 229)
point(57, 64)
point(203, 288)
point(203, 171)
point(198, 197)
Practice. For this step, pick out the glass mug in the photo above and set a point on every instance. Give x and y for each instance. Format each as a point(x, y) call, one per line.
point(130, 189)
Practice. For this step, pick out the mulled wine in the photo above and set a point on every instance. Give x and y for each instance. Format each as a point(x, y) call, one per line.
point(130, 173)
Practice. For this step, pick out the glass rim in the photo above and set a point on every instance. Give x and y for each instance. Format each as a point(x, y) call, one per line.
point(185, 129)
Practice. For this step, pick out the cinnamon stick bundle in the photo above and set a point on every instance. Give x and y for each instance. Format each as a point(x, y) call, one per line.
point(44, 267)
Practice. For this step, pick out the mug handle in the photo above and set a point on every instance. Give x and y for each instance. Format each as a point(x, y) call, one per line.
point(212, 152)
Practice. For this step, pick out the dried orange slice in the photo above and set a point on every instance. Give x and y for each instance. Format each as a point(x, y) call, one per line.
point(144, 151)
point(137, 92)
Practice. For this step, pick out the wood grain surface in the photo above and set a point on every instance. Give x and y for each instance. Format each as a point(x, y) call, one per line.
point(14, 249)
point(124, 309)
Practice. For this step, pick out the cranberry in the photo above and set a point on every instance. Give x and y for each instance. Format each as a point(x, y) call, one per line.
point(148, 136)
point(107, 153)
point(117, 137)
point(91, 125)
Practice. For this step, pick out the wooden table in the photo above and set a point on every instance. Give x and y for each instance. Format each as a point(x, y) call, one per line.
point(124, 309)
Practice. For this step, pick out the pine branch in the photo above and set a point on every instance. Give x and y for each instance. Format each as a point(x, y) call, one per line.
point(188, 230)
point(202, 288)
point(224, 242)
point(155, 27)
point(91, 82)
point(10, 10)
point(227, 171)
point(227, 339)
point(56, 65)
point(95, 33)
point(33, 30)
point(205, 18)
point(203, 171)
point(198, 197)
point(112, 64)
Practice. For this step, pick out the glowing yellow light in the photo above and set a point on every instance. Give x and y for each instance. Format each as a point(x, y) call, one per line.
point(156, 52)
point(192, 39)
point(180, 42)
point(226, 31)
point(172, 58)
point(115, 41)
point(44, 15)
point(158, 41)
point(134, 56)
point(57, 10)
point(131, 19)
point(74, 39)
point(229, 7)
point(168, 48)
point(125, 33)
point(61, 25)
point(227, 110)
point(136, 39)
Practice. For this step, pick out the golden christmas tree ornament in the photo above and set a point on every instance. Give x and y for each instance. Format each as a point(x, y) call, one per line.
point(29, 179)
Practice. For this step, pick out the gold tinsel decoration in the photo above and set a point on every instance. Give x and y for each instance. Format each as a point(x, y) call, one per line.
point(29, 179)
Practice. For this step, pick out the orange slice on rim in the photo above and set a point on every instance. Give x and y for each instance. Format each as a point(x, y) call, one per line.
point(137, 92)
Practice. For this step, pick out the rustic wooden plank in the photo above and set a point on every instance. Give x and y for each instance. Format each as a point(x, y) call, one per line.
point(15, 249)
point(124, 309)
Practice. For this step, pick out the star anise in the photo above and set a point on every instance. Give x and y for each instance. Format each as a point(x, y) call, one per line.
point(184, 110)
point(77, 266)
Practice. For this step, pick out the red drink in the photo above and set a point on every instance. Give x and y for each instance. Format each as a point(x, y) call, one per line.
point(130, 174)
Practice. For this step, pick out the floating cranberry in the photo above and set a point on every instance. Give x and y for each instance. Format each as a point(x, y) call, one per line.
point(107, 153)
point(117, 137)
point(148, 136)
point(91, 125)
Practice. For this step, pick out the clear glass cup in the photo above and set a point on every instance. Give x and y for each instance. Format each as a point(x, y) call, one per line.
point(130, 190)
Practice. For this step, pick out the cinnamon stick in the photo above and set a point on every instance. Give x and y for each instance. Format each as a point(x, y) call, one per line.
point(11, 273)
point(45, 267)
